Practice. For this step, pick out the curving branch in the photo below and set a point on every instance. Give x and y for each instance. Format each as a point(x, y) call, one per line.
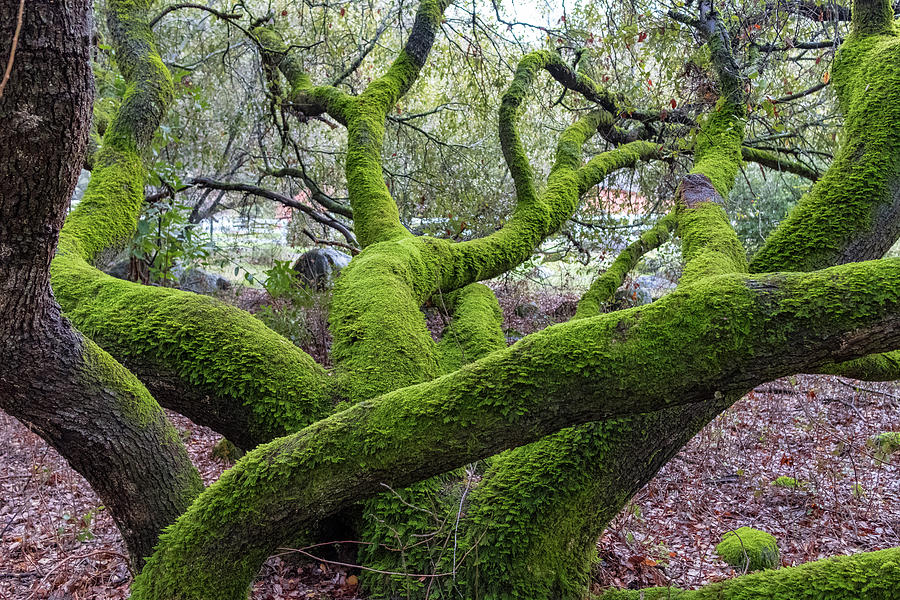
point(777, 162)
point(586, 370)
point(376, 216)
point(475, 329)
point(248, 188)
point(305, 98)
point(173, 7)
point(603, 287)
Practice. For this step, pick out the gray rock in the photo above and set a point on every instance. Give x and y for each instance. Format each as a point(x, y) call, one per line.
point(121, 269)
point(318, 267)
point(199, 281)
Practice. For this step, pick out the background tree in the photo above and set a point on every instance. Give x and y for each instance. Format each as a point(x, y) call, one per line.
point(587, 411)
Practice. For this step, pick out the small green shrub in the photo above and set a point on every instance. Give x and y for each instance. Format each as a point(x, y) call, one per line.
point(750, 549)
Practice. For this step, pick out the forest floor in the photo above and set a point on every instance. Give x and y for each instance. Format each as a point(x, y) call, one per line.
point(57, 541)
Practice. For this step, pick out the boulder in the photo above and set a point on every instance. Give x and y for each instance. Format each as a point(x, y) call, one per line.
point(199, 281)
point(318, 267)
point(527, 310)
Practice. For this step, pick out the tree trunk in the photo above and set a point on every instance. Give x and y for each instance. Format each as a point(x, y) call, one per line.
point(73, 394)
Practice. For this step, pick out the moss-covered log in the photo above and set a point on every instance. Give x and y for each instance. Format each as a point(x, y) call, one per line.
point(864, 576)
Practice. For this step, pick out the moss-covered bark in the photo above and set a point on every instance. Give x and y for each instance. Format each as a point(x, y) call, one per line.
point(648, 375)
point(227, 370)
point(752, 330)
point(87, 406)
point(864, 576)
point(476, 327)
point(709, 244)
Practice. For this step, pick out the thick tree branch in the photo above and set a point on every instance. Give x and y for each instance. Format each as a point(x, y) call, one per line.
point(476, 327)
point(83, 403)
point(853, 211)
point(754, 330)
point(218, 353)
point(376, 216)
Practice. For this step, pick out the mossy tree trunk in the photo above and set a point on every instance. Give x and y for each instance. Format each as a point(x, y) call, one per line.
point(586, 411)
point(90, 408)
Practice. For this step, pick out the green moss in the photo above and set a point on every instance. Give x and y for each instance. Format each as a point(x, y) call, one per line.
point(380, 339)
point(864, 576)
point(410, 532)
point(875, 367)
point(135, 402)
point(789, 482)
point(315, 98)
point(476, 328)
point(106, 217)
point(749, 549)
point(709, 245)
point(631, 362)
point(226, 451)
point(604, 287)
point(209, 345)
point(887, 442)
point(717, 150)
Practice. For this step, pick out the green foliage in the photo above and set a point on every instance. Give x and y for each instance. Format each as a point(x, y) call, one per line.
point(80, 527)
point(288, 313)
point(749, 549)
point(165, 238)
